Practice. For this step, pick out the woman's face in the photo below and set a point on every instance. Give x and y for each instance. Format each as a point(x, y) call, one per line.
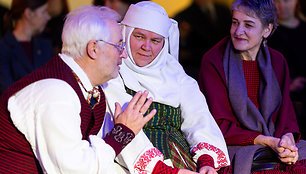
point(247, 32)
point(145, 46)
point(39, 18)
point(285, 9)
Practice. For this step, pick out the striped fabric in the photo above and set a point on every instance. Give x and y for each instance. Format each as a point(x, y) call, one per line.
point(16, 155)
point(164, 131)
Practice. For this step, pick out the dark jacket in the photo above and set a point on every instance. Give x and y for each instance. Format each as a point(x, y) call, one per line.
point(14, 63)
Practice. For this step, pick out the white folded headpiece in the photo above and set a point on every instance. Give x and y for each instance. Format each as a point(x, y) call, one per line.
point(149, 16)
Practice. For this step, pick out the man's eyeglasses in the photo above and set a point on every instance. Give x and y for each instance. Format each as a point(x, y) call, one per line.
point(120, 47)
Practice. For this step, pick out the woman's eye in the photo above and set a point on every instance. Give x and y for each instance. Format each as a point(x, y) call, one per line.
point(138, 36)
point(155, 41)
point(248, 25)
point(234, 22)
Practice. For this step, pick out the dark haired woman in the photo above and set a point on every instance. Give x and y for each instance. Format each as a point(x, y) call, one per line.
point(22, 50)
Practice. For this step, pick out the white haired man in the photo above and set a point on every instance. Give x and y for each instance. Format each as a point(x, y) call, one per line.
point(51, 119)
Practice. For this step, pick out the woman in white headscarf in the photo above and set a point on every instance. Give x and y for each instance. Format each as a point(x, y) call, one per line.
point(183, 128)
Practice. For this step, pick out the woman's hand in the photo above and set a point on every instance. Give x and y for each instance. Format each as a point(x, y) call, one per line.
point(269, 141)
point(287, 141)
point(284, 147)
point(290, 154)
point(207, 170)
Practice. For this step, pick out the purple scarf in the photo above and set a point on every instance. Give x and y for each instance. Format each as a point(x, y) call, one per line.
point(269, 91)
point(246, 112)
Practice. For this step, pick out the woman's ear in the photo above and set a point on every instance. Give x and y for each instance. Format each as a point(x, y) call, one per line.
point(268, 31)
point(92, 49)
point(28, 13)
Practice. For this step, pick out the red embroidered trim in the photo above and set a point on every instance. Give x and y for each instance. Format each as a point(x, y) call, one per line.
point(162, 168)
point(221, 159)
point(146, 158)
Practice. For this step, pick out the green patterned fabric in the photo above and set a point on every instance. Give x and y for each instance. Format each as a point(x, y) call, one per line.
point(164, 131)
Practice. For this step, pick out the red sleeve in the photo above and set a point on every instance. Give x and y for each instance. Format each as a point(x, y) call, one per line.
point(162, 168)
point(205, 160)
point(212, 83)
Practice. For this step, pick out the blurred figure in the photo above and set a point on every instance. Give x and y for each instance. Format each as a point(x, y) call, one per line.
point(290, 40)
point(57, 9)
point(22, 50)
point(120, 6)
point(201, 26)
point(3, 11)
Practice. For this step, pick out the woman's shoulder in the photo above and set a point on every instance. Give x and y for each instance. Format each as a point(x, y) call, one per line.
point(279, 63)
point(276, 56)
point(9, 39)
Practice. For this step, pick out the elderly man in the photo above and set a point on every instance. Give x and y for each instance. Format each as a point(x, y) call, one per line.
point(51, 120)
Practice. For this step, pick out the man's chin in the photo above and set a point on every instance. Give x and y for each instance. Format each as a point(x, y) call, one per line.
point(115, 75)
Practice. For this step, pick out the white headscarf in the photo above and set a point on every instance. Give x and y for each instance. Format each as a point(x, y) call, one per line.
point(163, 75)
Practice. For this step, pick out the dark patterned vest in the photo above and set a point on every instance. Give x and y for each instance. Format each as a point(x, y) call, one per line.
point(16, 155)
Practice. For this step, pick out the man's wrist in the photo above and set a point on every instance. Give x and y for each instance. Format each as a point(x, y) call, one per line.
point(119, 137)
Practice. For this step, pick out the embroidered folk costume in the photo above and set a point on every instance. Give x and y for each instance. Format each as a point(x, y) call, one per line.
point(183, 128)
point(47, 131)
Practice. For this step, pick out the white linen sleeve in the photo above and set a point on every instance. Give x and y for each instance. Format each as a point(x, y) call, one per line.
point(140, 156)
point(199, 127)
point(47, 112)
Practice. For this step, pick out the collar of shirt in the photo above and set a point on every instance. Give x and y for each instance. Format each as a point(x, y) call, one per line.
point(79, 72)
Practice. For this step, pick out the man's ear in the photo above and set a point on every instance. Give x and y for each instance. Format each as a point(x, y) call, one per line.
point(92, 49)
